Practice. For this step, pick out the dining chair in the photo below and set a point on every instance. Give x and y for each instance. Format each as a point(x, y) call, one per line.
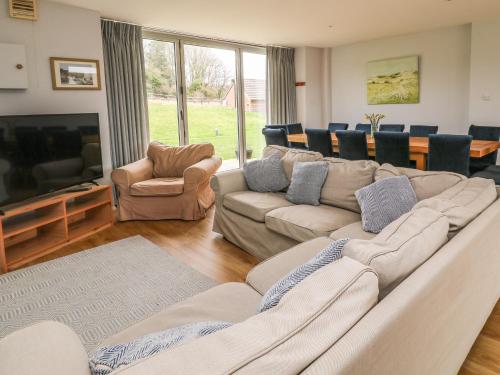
point(352, 144)
point(423, 130)
point(484, 133)
point(320, 140)
point(334, 126)
point(392, 128)
point(367, 128)
point(392, 148)
point(449, 152)
point(275, 136)
point(492, 172)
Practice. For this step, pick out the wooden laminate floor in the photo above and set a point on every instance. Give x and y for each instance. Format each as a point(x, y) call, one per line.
point(195, 244)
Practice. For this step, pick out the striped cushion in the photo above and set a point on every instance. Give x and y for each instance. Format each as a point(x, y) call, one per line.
point(328, 255)
point(385, 201)
point(107, 359)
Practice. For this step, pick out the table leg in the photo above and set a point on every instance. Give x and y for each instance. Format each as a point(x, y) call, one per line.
point(420, 160)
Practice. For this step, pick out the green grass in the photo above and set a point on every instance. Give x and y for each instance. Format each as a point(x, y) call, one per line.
point(217, 125)
point(398, 88)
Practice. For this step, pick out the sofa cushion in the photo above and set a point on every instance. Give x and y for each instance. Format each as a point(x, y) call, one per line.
point(107, 359)
point(268, 272)
point(265, 175)
point(385, 201)
point(331, 253)
point(402, 246)
point(304, 222)
point(254, 205)
point(293, 155)
point(231, 302)
point(283, 340)
point(158, 186)
point(426, 184)
point(464, 201)
point(307, 180)
point(272, 149)
point(353, 231)
point(344, 178)
point(171, 161)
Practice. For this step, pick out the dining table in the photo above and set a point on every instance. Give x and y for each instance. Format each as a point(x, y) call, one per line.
point(419, 147)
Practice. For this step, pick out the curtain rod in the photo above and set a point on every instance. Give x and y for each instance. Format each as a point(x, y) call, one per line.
point(188, 35)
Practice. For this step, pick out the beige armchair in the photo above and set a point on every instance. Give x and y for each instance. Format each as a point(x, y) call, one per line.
point(170, 183)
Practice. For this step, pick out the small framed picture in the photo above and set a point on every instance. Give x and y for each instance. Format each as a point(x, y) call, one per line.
point(75, 74)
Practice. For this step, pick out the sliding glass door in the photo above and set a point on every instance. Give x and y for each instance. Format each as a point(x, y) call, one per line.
point(206, 91)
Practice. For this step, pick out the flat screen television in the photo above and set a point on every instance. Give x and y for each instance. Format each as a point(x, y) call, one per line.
point(40, 154)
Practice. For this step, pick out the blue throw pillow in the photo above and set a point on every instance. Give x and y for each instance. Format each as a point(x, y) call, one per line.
point(385, 201)
point(109, 358)
point(265, 175)
point(307, 180)
point(328, 255)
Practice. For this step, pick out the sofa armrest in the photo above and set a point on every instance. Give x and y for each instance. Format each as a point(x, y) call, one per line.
point(46, 348)
point(201, 171)
point(129, 174)
point(266, 274)
point(228, 182)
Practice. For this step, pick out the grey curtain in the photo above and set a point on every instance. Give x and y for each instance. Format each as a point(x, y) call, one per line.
point(126, 91)
point(281, 95)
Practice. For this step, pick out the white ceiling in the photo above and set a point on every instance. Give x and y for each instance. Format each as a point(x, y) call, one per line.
point(294, 22)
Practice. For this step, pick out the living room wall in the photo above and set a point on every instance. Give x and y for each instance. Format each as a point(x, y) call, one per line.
point(61, 31)
point(444, 79)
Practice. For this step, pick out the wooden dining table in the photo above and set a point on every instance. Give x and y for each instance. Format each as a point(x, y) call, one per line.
point(419, 147)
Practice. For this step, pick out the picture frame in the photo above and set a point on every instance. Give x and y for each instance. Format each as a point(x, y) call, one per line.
point(75, 74)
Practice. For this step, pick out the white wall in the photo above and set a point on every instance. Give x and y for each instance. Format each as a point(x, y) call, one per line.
point(61, 31)
point(485, 73)
point(444, 79)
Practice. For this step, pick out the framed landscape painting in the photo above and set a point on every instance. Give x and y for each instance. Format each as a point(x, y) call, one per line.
point(75, 74)
point(394, 81)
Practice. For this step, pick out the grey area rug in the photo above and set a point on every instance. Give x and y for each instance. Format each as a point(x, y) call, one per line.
point(98, 292)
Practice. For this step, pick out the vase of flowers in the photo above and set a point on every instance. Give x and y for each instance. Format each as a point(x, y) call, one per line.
point(374, 119)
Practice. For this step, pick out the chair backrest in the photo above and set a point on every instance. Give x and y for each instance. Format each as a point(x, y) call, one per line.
point(392, 148)
point(275, 136)
point(449, 153)
point(295, 128)
point(486, 133)
point(423, 130)
point(367, 128)
point(392, 128)
point(320, 140)
point(334, 126)
point(352, 144)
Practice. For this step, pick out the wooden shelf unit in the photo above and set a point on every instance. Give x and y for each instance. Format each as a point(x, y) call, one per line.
point(36, 229)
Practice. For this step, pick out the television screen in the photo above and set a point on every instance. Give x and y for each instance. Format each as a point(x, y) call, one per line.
point(40, 154)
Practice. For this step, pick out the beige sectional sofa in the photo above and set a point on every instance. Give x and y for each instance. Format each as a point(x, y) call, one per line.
point(410, 300)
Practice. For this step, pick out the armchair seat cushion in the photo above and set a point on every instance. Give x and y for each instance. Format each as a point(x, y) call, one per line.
point(254, 205)
point(352, 231)
point(304, 222)
point(158, 186)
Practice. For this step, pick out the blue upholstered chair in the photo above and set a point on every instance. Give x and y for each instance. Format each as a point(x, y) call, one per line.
point(295, 128)
point(320, 140)
point(449, 153)
point(423, 130)
point(334, 126)
point(484, 133)
point(352, 144)
point(492, 172)
point(392, 128)
point(367, 128)
point(275, 136)
point(392, 148)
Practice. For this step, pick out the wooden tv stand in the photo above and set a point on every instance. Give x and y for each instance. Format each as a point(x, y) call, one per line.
point(39, 228)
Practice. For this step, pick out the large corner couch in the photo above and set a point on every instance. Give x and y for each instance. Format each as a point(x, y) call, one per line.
point(410, 300)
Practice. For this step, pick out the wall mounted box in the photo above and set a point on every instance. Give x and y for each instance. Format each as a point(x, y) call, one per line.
point(13, 72)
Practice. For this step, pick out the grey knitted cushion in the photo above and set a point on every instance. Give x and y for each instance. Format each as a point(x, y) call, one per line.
point(265, 175)
point(107, 359)
point(385, 201)
point(307, 180)
point(328, 255)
